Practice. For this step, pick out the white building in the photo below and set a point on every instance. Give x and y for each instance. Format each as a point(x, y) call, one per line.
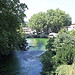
point(27, 30)
point(71, 27)
point(51, 35)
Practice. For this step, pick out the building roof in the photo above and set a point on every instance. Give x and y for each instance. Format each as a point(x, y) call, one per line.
point(73, 24)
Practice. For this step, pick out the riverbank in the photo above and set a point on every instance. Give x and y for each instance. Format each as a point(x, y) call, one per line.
point(25, 62)
point(36, 36)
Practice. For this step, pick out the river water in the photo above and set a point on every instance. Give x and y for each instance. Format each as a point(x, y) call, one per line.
point(26, 62)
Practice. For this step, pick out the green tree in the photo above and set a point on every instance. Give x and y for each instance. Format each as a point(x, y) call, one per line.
point(11, 17)
point(57, 19)
point(47, 59)
point(52, 20)
point(37, 22)
point(61, 50)
point(66, 70)
point(65, 48)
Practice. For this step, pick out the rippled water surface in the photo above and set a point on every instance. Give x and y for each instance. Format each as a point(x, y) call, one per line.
point(26, 62)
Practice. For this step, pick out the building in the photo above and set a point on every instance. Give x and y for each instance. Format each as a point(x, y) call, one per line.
point(51, 35)
point(27, 30)
point(71, 27)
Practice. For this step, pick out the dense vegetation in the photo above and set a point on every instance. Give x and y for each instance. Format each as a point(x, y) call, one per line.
point(66, 70)
point(61, 51)
point(51, 21)
point(11, 17)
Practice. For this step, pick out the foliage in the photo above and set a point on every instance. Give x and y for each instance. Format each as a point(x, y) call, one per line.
point(47, 63)
point(51, 21)
point(49, 45)
point(22, 41)
point(11, 17)
point(60, 51)
point(24, 24)
point(47, 59)
point(66, 70)
point(37, 22)
point(72, 33)
point(57, 19)
point(65, 48)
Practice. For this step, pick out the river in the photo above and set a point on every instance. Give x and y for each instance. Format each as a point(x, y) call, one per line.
point(25, 62)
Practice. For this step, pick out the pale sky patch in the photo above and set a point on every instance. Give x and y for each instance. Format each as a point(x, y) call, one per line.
point(36, 6)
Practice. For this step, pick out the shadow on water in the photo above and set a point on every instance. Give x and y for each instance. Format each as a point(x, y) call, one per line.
point(25, 62)
point(9, 65)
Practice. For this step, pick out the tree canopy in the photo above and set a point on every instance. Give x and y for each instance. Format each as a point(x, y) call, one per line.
point(37, 22)
point(11, 17)
point(61, 51)
point(52, 20)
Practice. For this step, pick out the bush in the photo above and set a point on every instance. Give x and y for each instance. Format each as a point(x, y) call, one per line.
point(65, 70)
point(61, 51)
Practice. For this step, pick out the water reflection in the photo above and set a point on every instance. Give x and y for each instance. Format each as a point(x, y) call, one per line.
point(37, 43)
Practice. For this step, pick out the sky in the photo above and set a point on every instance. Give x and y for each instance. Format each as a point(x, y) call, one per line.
point(35, 6)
